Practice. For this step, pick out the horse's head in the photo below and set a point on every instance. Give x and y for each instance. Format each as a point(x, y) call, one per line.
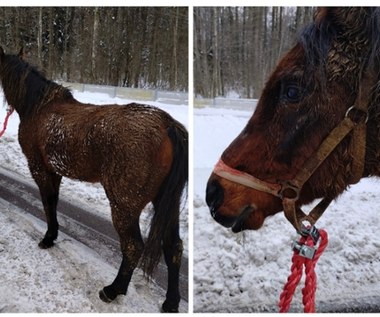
point(12, 69)
point(305, 98)
point(4, 58)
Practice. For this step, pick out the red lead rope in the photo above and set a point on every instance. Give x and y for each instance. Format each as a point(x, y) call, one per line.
point(9, 113)
point(305, 255)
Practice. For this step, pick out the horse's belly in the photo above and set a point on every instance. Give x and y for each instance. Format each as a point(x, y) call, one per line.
point(75, 168)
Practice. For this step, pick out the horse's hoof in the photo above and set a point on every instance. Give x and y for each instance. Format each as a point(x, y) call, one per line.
point(104, 297)
point(169, 308)
point(46, 244)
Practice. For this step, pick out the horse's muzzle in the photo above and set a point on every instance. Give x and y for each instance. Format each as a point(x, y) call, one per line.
point(214, 199)
point(214, 196)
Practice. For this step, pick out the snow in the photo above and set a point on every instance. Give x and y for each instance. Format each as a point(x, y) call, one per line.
point(246, 272)
point(66, 278)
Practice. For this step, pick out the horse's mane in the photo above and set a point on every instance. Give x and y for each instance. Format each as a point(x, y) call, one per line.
point(317, 38)
point(26, 88)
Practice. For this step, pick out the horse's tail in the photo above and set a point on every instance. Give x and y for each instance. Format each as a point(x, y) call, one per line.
point(168, 200)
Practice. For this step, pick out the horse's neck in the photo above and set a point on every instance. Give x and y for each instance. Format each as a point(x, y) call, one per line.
point(28, 98)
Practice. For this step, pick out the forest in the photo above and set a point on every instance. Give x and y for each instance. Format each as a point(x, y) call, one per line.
point(138, 47)
point(236, 48)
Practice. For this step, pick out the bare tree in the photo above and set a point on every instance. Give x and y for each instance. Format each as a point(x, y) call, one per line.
point(133, 46)
point(235, 48)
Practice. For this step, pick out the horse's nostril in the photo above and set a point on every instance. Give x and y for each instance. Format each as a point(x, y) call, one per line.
point(214, 196)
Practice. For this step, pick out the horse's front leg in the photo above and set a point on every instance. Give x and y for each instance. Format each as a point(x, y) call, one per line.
point(48, 184)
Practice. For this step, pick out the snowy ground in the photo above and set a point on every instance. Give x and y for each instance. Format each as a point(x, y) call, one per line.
point(245, 272)
point(66, 278)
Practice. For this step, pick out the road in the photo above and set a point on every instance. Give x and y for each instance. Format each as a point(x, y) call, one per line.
point(90, 229)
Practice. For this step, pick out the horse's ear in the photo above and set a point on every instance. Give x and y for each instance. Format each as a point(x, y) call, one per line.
point(321, 14)
point(21, 54)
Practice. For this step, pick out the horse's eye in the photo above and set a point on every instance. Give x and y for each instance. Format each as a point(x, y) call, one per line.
point(292, 93)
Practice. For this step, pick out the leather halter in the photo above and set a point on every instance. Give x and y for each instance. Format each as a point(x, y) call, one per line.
point(288, 191)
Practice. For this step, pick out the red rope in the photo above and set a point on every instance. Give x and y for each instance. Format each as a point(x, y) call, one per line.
point(298, 262)
point(9, 113)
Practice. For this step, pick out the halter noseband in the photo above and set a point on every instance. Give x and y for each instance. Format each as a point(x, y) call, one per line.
point(355, 119)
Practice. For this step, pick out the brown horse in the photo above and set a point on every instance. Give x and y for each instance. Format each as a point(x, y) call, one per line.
point(138, 153)
point(315, 130)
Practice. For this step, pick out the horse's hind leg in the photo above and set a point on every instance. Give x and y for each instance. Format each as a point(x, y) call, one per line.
point(48, 184)
point(131, 247)
point(172, 247)
point(173, 254)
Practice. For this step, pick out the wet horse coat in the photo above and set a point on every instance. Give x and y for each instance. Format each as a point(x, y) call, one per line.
point(138, 153)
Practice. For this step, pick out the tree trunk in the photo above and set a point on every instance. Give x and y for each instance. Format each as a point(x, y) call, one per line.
point(94, 47)
point(39, 36)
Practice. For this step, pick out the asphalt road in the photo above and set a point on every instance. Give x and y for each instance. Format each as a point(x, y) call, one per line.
point(88, 228)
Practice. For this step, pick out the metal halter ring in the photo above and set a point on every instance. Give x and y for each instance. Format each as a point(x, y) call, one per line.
point(288, 190)
point(357, 112)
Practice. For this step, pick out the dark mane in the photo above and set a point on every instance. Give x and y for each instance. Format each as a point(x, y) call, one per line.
point(25, 86)
point(316, 41)
point(317, 38)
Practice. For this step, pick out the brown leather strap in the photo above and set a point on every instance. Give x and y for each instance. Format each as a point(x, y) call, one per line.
point(358, 144)
point(355, 119)
point(359, 135)
point(296, 216)
point(327, 146)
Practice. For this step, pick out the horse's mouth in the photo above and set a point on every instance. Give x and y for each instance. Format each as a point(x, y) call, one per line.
point(240, 220)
